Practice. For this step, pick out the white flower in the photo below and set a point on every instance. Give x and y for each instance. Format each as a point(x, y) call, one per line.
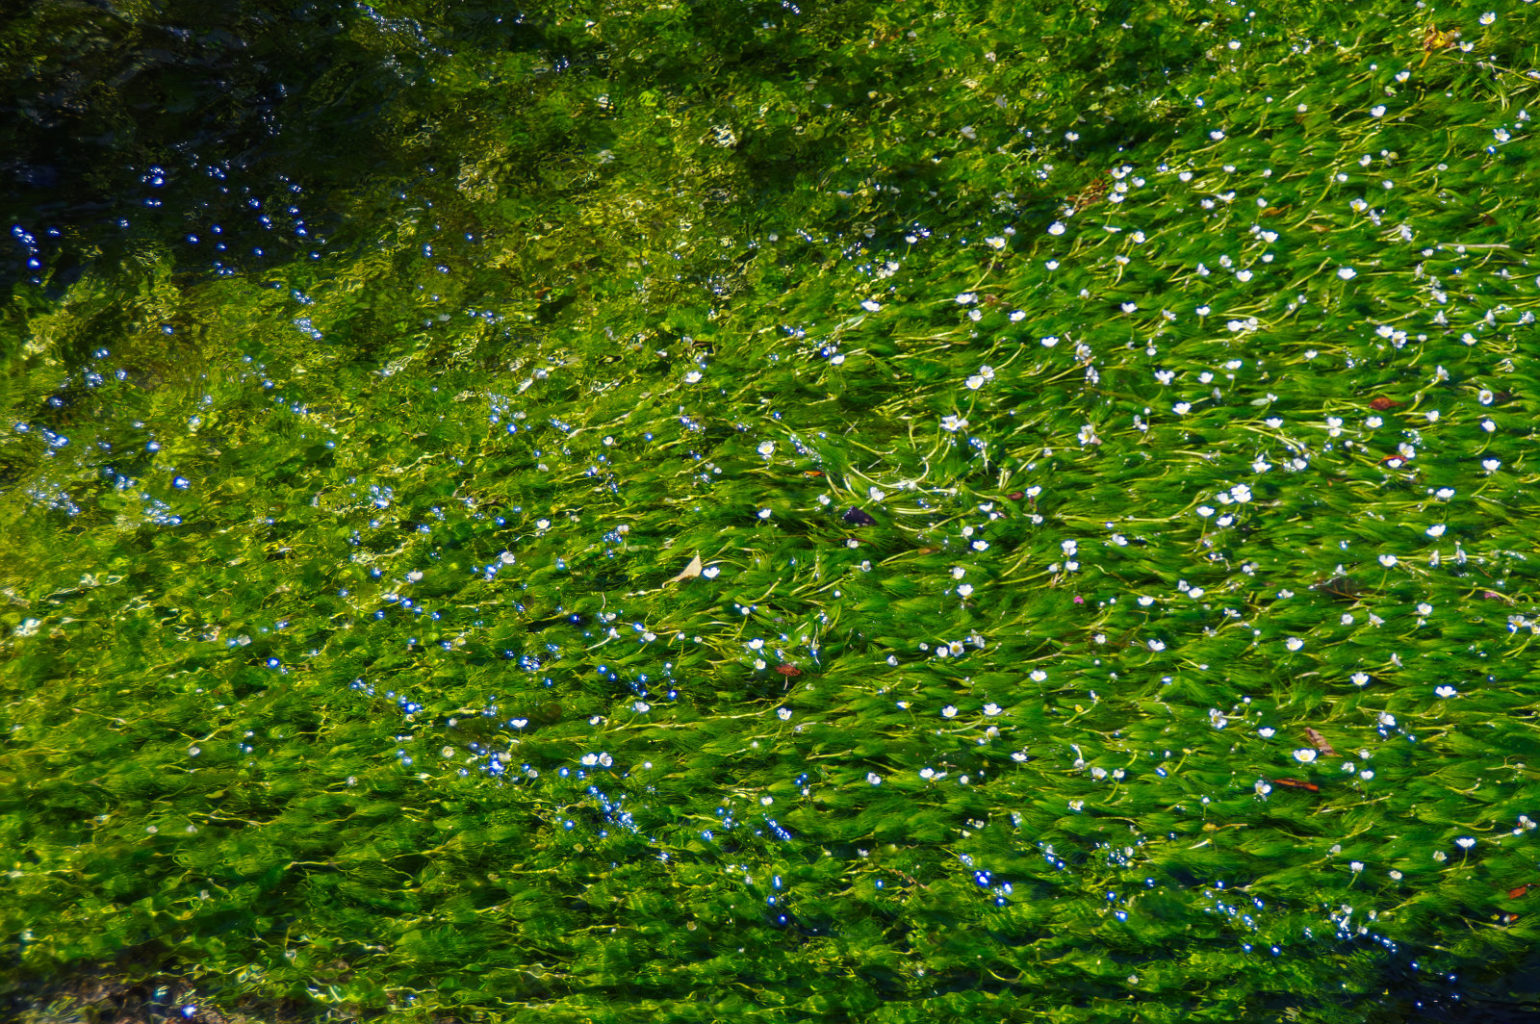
point(27, 628)
point(1266, 732)
point(784, 714)
point(1304, 756)
point(1204, 511)
point(506, 558)
point(1436, 530)
point(767, 448)
point(991, 710)
point(966, 298)
point(870, 306)
point(1346, 273)
point(1240, 492)
point(1037, 675)
point(710, 572)
point(949, 712)
point(965, 590)
point(1488, 17)
point(1446, 691)
point(1378, 111)
point(693, 377)
point(1056, 228)
point(974, 382)
point(1157, 645)
point(1243, 276)
point(1360, 678)
point(1491, 465)
point(1387, 720)
point(765, 513)
point(874, 778)
point(590, 759)
point(1387, 560)
point(953, 423)
point(995, 242)
point(1465, 842)
point(1293, 643)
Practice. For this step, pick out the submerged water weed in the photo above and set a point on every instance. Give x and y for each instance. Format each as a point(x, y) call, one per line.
point(988, 558)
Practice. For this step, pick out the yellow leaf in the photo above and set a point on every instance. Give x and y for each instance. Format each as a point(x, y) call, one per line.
point(690, 571)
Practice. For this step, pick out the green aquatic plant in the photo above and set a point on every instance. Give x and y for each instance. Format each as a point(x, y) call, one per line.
point(729, 511)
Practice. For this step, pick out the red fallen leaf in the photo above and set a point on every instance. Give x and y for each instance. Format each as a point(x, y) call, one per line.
point(1319, 742)
point(1308, 787)
point(1017, 495)
point(814, 473)
point(1515, 893)
point(789, 671)
point(1382, 403)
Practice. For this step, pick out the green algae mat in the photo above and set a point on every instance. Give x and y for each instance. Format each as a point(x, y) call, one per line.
point(744, 511)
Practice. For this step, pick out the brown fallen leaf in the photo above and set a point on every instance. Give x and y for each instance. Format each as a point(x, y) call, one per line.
point(689, 572)
point(1319, 742)
point(1433, 39)
point(789, 671)
point(1382, 403)
point(1309, 787)
point(1515, 893)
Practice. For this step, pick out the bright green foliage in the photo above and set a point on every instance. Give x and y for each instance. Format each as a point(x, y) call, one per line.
point(1181, 356)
